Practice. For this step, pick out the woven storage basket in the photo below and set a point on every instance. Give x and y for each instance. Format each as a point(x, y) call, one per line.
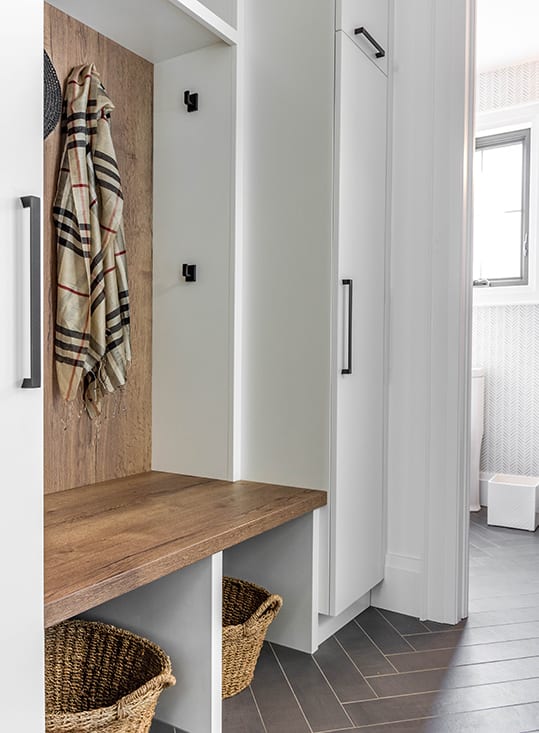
point(248, 610)
point(100, 678)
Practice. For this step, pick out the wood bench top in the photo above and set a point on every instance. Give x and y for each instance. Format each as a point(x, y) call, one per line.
point(106, 539)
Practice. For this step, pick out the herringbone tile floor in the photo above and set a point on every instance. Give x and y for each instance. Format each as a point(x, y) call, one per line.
point(388, 673)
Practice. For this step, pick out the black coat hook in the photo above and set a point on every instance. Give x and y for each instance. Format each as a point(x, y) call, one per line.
point(190, 99)
point(189, 273)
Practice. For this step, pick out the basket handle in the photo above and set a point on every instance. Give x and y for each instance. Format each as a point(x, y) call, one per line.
point(124, 709)
point(270, 607)
point(168, 680)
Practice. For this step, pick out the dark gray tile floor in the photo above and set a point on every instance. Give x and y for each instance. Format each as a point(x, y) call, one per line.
point(159, 727)
point(388, 673)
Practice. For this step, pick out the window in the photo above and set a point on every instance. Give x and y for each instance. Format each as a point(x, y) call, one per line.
point(501, 209)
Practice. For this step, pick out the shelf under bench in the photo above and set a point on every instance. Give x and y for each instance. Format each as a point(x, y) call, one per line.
point(106, 539)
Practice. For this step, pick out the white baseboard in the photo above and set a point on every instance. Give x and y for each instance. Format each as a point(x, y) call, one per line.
point(400, 590)
point(329, 625)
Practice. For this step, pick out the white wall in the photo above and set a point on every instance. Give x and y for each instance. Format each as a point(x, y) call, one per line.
point(287, 203)
point(506, 342)
point(193, 223)
point(508, 86)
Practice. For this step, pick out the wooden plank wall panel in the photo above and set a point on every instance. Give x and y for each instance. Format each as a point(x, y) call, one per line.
point(79, 451)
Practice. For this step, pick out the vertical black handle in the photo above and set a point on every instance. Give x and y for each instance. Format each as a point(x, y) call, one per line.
point(348, 369)
point(33, 203)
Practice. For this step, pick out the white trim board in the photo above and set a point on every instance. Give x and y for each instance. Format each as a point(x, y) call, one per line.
point(208, 19)
point(430, 316)
point(447, 506)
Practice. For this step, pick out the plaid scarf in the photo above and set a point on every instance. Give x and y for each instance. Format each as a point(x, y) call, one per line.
point(92, 341)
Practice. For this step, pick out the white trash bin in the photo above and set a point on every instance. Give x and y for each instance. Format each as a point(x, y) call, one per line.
point(513, 501)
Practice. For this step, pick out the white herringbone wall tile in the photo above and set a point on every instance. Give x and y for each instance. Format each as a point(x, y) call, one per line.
point(506, 342)
point(509, 86)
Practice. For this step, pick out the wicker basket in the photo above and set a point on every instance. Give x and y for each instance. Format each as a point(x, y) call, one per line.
point(100, 678)
point(248, 610)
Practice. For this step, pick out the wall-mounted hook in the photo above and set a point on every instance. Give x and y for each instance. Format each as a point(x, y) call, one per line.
point(190, 99)
point(189, 272)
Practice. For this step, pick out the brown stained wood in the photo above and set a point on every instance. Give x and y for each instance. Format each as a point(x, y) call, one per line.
point(77, 450)
point(109, 538)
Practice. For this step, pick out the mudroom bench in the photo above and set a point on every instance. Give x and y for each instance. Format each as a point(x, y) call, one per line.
point(148, 552)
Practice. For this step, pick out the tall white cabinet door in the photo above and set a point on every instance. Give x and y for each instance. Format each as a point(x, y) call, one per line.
point(21, 457)
point(357, 500)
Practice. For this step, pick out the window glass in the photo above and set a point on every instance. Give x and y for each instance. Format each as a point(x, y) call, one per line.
point(500, 215)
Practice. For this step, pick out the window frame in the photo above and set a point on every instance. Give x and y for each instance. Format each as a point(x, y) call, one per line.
point(507, 119)
point(504, 139)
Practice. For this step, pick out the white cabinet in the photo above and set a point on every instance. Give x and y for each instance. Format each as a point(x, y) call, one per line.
point(202, 209)
point(360, 183)
point(366, 22)
point(21, 532)
point(315, 215)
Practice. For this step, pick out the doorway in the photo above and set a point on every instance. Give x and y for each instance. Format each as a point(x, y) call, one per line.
point(504, 546)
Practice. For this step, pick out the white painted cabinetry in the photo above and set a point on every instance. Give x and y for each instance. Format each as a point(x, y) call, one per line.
point(188, 45)
point(356, 552)
point(315, 146)
point(21, 420)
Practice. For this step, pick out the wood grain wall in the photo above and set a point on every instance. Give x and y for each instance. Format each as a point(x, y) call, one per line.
point(80, 451)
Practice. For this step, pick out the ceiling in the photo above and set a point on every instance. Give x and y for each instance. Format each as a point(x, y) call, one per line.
point(507, 32)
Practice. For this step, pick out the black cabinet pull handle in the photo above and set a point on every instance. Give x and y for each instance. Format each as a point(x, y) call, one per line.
point(33, 203)
point(380, 53)
point(348, 369)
